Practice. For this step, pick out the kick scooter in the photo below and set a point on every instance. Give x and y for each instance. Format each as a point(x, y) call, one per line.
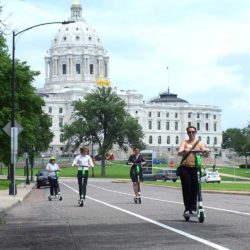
point(138, 198)
point(56, 189)
point(81, 201)
point(200, 211)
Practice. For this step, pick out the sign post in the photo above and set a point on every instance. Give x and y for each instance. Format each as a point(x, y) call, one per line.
point(13, 132)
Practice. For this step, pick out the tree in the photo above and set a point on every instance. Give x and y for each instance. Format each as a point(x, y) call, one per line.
point(28, 114)
point(235, 139)
point(102, 118)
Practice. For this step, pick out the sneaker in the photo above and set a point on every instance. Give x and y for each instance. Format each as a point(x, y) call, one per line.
point(186, 212)
point(193, 212)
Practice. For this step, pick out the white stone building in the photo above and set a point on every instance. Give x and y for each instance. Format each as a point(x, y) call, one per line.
point(73, 65)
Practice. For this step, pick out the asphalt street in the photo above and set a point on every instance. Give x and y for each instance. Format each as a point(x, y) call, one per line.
point(111, 220)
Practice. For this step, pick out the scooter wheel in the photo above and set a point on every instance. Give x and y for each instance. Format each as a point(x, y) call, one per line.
point(135, 200)
point(60, 198)
point(202, 217)
point(187, 218)
point(81, 204)
point(49, 198)
point(139, 200)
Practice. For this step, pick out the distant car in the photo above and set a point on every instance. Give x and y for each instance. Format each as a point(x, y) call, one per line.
point(149, 177)
point(167, 175)
point(211, 177)
point(42, 178)
point(156, 161)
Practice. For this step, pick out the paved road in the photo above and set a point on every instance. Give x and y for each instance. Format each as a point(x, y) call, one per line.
point(111, 220)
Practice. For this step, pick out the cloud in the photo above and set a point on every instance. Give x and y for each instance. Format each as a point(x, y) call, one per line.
point(205, 44)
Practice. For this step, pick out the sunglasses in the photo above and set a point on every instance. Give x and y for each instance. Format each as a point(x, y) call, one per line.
point(191, 132)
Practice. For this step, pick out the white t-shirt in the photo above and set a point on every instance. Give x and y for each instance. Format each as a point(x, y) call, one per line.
point(52, 168)
point(83, 161)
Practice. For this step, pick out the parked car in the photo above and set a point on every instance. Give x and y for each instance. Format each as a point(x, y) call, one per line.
point(167, 175)
point(149, 177)
point(42, 178)
point(156, 161)
point(211, 177)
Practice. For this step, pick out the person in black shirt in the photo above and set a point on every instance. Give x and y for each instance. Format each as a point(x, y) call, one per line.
point(136, 160)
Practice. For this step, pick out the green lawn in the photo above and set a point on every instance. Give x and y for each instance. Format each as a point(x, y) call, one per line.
point(4, 184)
point(118, 169)
point(208, 186)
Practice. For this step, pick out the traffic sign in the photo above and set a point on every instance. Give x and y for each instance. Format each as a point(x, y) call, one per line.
point(7, 128)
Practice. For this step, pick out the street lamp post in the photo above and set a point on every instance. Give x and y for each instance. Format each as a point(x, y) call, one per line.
point(14, 128)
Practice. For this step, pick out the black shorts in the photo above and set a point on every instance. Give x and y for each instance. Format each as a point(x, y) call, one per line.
point(134, 175)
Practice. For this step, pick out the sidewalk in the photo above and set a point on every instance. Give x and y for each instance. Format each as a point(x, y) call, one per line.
point(7, 201)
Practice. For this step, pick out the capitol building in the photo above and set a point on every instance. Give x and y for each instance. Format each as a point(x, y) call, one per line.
point(73, 65)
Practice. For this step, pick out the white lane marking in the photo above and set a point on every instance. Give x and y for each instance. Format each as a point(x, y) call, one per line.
point(190, 236)
point(174, 202)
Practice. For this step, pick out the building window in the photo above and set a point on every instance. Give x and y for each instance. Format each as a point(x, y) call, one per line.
point(159, 139)
point(150, 140)
point(50, 110)
point(167, 115)
point(50, 121)
point(207, 126)
point(177, 140)
point(207, 116)
point(189, 114)
point(159, 125)
point(149, 124)
point(215, 127)
point(167, 126)
point(198, 115)
point(198, 126)
point(60, 110)
point(60, 122)
point(61, 138)
point(78, 68)
point(136, 112)
point(189, 124)
point(149, 114)
point(199, 138)
point(176, 115)
point(214, 117)
point(91, 69)
point(168, 139)
point(215, 141)
point(208, 140)
point(64, 69)
point(158, 114)
point(176, 125)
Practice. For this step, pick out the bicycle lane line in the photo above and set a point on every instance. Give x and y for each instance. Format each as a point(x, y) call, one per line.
point(190, 236)
point(174, 202)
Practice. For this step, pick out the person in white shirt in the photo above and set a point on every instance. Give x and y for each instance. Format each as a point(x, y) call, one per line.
point(83, 161)
point(52, 167)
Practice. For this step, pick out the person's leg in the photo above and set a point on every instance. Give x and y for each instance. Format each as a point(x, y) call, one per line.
point(56, 186)
point(51, 186)
point(79, 178)
point(186, 187)
point(194, 189)
point(85, 182)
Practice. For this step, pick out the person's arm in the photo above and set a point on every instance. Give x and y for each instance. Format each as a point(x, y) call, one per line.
point(75, 162)
point(130, 160)
point(181, 150)
point(143, 162)
point(91, 164)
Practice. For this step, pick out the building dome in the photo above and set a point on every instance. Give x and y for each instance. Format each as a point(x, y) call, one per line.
point(76, 57)
point(167, 97)
point(76, 34)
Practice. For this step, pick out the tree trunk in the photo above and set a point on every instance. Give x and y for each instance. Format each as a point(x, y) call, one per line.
point(103, 171)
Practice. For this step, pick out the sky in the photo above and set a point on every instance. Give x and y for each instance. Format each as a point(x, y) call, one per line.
point(200, 49)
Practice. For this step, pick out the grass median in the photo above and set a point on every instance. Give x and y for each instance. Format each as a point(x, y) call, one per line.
point(119, 170)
